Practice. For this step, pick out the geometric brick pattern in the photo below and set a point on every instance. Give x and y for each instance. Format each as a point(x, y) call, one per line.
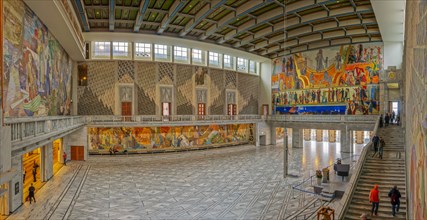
point(217, 92)
point(145, 79)
point(230, 79)
point(248, 94)
point(166, 73)
point(126, 71)
point(184, 90)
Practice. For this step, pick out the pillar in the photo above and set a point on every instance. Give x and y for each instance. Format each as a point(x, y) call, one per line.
point(332, 136)
point(346, 140)
point(319, 135)
point(297, 138)
point(360, 137)
point(273, 135)
point(307, 134)
point(47, 165)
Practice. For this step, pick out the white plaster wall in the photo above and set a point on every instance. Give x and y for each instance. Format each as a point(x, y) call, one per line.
point(265, 87)
point(78, 138)
point(393, 54)
point(263, 128)
point(5, 149)
point(16, 199)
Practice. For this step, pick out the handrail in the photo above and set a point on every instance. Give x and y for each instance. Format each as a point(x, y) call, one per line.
point(348, 195)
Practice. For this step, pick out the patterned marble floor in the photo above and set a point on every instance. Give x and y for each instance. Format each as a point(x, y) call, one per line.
point(243, 182)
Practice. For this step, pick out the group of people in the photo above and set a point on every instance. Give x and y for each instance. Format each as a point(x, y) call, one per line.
point(374, 198)
point(389, 118)
point(379, 144)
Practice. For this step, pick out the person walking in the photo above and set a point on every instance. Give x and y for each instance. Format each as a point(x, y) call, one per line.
point(64, 156)
point(381, 121)
point(375, 141)
point(381, 148)
point(394, 195)
point(387, 119)
point(374, 198)
point(34, 174)
point(31, 191)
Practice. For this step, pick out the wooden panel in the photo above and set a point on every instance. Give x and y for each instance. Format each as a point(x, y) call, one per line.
point(126, 108)
point(77, 153)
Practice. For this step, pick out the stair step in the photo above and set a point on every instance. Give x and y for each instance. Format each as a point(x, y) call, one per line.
point(400, 185)
point(365, 197)
point(373, 178)
point(355, 214)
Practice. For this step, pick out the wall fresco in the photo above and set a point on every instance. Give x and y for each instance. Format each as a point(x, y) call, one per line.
point(142, 139)
point(316, 82)
point(416, 107)
point(37, 74)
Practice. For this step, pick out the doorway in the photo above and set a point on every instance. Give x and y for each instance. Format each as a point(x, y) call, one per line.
point(232, 109)
point(31, 168)
point(201, 110)
point(77, 153)
point(394, 107)
point(166, 110)
point(126, 110)
point(265, 109)
point(56, 157)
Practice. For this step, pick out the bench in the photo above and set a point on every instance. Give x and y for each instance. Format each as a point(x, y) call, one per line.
point(342, 170)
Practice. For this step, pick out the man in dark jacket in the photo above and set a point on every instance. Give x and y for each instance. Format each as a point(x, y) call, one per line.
point(375, 141)
point(394, 195)
point(31, 192)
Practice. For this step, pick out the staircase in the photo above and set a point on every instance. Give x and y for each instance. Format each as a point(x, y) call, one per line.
point(388, 172)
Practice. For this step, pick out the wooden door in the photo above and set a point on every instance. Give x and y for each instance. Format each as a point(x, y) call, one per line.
point(232, 109)
point(77, 153)
point(126, 108)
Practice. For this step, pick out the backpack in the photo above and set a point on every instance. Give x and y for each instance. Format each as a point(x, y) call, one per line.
point(394, 198)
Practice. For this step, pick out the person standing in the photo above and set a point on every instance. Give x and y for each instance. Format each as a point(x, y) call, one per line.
point(381, 121)
point(31, 191)
point(374, 198)
point(387, 119)
point(394, 195)
point(64, 156)
point(381, 148)
point(34, 174)
point(375, 141)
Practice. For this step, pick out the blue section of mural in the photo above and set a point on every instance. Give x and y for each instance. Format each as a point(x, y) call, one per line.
point(327, 110)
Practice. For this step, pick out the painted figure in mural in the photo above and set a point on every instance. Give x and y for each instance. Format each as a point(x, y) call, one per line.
point(360, 53)
point(352, 56)
point(319, 61)
point(338, 61)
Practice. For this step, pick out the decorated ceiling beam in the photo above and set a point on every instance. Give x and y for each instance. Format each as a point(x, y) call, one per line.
point(112, 15)
point(139, 18)
point(174, 9)
point(82, 13)
point(242, 10)
point(202, 14)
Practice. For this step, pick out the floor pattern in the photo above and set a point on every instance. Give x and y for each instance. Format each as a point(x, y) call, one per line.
point(242, 182)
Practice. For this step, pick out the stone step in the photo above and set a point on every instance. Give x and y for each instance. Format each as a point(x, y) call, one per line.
point(382, 170)
point(400, 185)
point(374, 178)
point(355, 215)
point(384, 206)
point(367, 189)
point(383, 175)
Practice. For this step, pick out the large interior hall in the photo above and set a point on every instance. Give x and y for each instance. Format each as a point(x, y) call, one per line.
point(213, 109)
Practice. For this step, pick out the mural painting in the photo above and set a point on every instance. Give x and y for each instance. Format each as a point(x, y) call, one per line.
point(37, 74)
point(340, 80)
point(416, 108)
point(143, 139)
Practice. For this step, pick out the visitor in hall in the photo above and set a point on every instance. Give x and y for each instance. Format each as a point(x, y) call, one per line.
point(31, 191)
point(24, 174)
point(374, 198)
point(65, 158)
point(34, 174)
point(394, 195)
point(393, 114)
point(381, 121)
point(375, 141)
point(381, 148)
point(387, 119)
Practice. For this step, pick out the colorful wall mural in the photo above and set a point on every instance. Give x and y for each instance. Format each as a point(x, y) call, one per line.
point(37, 70)
point(416, 107)
point(338, 80)
point(145, 139)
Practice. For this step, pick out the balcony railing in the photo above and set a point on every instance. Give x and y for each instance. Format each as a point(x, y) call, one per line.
point(323, 118)
point(26, 128)
point(171, 118)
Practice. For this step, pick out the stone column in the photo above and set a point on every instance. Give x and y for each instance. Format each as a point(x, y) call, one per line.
point(297, 138)
point(273, 135)
point(307, 134)
point(47, 166)
point(346, 139)
point(319, 135)
point(332, 136)
point(360, 137)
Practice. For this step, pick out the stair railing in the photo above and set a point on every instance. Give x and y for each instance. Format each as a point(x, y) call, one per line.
point(348, 194)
